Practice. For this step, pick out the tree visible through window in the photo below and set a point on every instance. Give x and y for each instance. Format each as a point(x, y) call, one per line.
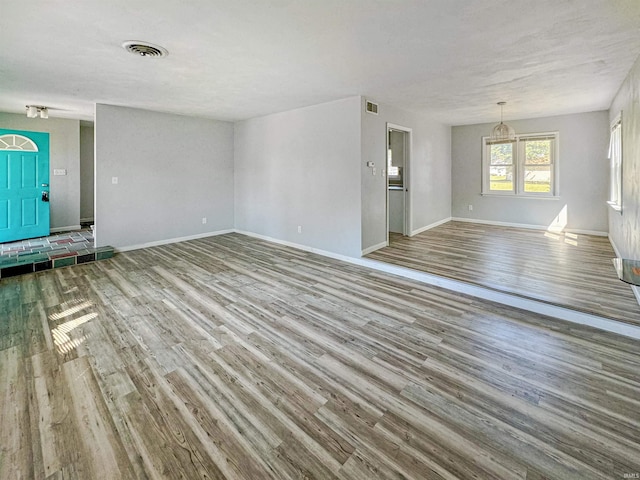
point(501, 169)
point(537, 165)
point(524, 166)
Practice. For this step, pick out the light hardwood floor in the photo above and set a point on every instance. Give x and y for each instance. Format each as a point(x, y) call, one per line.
point(229, 357)
point(573, 271)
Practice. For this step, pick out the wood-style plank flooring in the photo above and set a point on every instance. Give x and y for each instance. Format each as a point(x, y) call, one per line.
point(570, 270)
point(229, 357)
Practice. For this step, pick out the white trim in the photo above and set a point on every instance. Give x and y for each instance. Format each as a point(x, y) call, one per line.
point(595, 233)
point(430, 226)
point(635, 289)
point(373, 248)
point(31, 143)
point(528, 225)
point(65, 229)
point(473, 290)
point(614, 206)
point(616, 164)
point(505, 298)
point(524, 196)
point(324, 253)
point(518, 167)
point(454, 285)
point(615, 247)
point(172, 240)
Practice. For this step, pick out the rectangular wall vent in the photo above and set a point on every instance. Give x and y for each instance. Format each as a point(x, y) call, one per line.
point(372, 107)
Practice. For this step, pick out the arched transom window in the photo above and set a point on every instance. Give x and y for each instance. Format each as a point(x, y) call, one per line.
point(17, 142)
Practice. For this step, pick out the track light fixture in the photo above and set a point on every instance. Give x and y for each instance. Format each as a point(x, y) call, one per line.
point(34, 111)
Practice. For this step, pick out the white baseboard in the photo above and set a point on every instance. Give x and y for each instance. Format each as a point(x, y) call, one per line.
point(324, 253)
point(473, 290)
point(380, 245)
point(64, 229)
point(636, 292)
point(172, 240)
point(373, 248)
point(430, 226)
point(635, 289)
point(615, 247)
point(505, 298)
point(596, 233)
point(454, 285)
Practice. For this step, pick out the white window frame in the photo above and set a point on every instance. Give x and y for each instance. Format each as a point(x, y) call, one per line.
point(615, 164)
point(519, 166)
point(13, 141)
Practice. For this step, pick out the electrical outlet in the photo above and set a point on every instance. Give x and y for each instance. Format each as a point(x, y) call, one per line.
point(470, 207)
point(299, 228)
point(204, 220)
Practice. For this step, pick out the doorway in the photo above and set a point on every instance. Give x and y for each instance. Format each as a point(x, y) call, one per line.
point(24, 185)
point(398, 162)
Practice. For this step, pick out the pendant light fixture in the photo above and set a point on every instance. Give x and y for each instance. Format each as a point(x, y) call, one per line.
point(502, 132)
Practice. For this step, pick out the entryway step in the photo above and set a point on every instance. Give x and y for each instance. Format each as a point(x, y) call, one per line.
point(10, 266)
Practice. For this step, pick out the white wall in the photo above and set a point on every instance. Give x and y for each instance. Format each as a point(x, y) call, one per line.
point(172, 170)
point(301, 168)
point(624, 229)
point(429, 179)
point(583, 176)
point(86, 173)
point(64, 153)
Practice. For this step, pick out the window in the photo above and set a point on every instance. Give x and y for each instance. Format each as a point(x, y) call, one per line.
point(525, 166)
point(17, 142)
point(395, 158)
point(615, 157)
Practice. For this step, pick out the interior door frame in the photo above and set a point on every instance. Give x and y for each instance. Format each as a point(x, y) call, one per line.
point(408, 155)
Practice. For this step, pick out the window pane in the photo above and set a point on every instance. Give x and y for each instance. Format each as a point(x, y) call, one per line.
point(615, 153)
point(502, 154)
point(537, 179)
point(501, 178)
point(537, 152)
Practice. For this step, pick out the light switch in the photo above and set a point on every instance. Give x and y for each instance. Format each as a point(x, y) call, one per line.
point(114, 180)
point(59, 171)
point(373, 171)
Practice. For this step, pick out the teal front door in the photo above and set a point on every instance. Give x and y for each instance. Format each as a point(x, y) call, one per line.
point(24, 185)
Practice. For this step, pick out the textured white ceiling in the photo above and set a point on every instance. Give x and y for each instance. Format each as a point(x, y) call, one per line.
point(236, 59)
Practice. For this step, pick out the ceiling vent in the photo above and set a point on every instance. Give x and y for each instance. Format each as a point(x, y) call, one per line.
point(372, 107)
point(144, 49)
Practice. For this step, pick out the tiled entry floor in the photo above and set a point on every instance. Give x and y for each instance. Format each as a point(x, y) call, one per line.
point(59, 250)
